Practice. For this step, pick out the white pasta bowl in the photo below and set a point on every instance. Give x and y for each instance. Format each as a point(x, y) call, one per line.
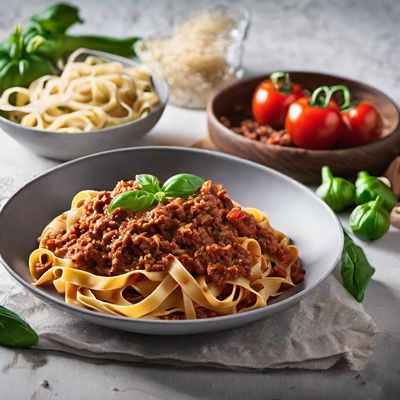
point(292, 208)
point(67, 146)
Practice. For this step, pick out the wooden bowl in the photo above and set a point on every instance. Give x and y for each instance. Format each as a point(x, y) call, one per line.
point(302, 164)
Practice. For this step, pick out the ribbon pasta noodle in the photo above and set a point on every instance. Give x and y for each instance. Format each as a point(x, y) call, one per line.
point(89, 95)
point(175, 292)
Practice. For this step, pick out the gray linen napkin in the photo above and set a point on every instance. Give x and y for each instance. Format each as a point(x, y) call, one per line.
point(326, 328)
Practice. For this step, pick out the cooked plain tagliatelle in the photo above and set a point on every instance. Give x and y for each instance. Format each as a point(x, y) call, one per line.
point(199, 257)
point(89, 95)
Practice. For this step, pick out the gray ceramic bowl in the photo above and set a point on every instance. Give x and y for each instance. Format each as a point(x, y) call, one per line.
point(292, 208)
point(65, 146)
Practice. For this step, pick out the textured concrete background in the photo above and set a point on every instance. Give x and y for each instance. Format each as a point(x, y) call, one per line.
point(358, 39)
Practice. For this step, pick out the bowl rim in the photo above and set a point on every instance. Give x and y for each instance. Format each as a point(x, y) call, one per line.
point(259, 312)
point(243, 21)
point(125, 61)
point(298, 150)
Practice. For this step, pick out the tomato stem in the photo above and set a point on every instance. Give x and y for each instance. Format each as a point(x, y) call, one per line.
point(346, 104)
point(320, 97)
point(281, 81)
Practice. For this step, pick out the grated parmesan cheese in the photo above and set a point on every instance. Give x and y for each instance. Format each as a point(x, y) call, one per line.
point(201, 55)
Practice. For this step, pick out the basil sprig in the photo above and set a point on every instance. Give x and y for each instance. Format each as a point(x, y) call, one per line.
point(151, 192)
point(356, 270)
point(148, 182)
point(136, 200)
point(181, 185)
point(14, 331)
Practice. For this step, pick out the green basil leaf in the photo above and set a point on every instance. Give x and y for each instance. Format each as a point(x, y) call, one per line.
point(14, 331)
point(356, 270)
point(148, 182)
point(136, 200)
point(57, 18)
point(182, 185)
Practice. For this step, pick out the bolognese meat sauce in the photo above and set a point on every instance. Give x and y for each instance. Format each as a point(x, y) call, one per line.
point(202, 231)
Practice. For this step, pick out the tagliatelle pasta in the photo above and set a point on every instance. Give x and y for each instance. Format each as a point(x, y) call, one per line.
point(82, 254)
point(89, 95)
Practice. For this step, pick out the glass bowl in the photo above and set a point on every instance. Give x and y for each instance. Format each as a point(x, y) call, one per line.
point(201, 53)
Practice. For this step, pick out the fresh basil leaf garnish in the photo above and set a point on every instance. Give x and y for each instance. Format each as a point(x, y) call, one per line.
point(14, 331)
point(356, 270)
point(182, 185)
point(136, 200)
point(148, 182)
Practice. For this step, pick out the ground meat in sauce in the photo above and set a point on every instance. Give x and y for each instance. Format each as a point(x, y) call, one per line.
point(249, 128)
point(195, 230)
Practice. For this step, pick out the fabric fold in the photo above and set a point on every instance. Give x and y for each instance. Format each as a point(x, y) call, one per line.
point(325, 329)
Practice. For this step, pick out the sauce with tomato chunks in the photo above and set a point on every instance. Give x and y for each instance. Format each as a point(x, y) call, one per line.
point(203, 231)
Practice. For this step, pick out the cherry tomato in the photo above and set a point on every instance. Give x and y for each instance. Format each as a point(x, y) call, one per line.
point(364, 125)
point(272, 99)
point(313, 127)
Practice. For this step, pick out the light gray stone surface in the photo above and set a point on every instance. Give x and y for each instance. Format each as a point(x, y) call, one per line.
point(358, 39)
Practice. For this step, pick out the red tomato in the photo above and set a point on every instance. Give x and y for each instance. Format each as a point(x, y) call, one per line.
point(364, 125)
point(270, 105)
point(235, 215)
point(313, 127)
